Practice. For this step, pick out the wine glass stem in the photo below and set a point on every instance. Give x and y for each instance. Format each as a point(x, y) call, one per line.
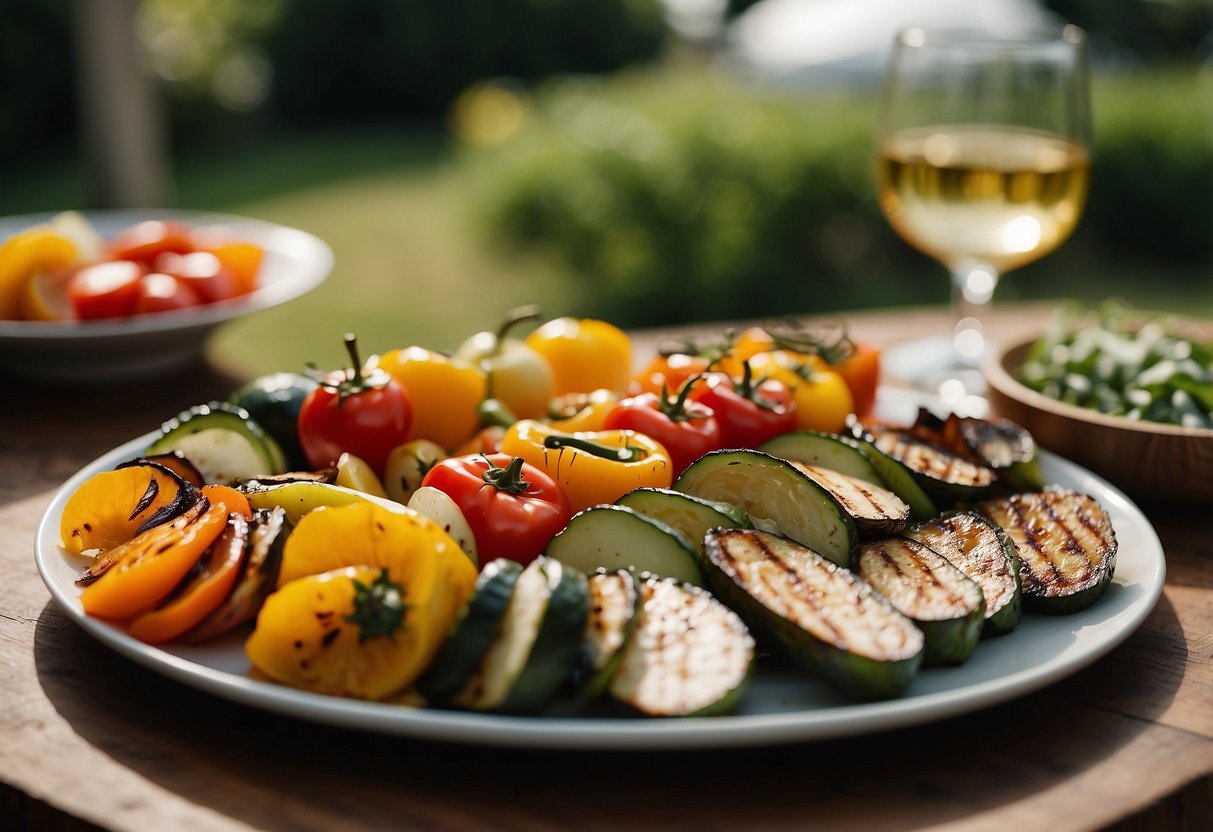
point(973, 285)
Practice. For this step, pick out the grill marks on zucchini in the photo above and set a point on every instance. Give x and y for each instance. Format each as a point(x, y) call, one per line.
point(945, 475)
point(877, 512)
point(821, 615)
point(924, 586)
point(1065, 543)
point(615, 599)
point(986, 554)
point(689, 655)
point(777, 495)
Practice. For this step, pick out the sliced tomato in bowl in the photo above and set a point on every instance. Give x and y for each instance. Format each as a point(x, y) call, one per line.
point(147, 240)
point(160, 292)
point(203, 272)
point(105, 290)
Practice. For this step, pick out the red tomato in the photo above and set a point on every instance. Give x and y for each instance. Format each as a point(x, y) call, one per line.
point(146, 241)
point(366, 415)
point(203, 272)
point(861, 371)
point(105, 290)
point(159, 292)
point(514, 509)
point(686, 429)
point(749, 414)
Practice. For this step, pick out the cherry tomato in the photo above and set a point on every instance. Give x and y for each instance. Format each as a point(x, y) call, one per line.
point(444, 391)
point(365, 414)
point(669, 371)
point(686, 429)
point(823, 400)
point(243, 260)
point(861, 371)
point(522, 378)
point(105, 290)
point(146, 241)
point(203, 272)
point(514, 509)
point(160, 292)
point(749, 414)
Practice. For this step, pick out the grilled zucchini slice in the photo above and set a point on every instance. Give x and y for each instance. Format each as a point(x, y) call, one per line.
point(1066, 547)
point(689, 656)
point(825, 450)
point(778, 497)
point(537, 646)
point(615, 601)
point(946, 477)
point(614, 537)
point(986, 554)
point(474, 632)
point(947, 606)
point(838, 466)
point(222, 441)
point(876, 510)
point(820, 615)
point(685, 513)
point(898, 479)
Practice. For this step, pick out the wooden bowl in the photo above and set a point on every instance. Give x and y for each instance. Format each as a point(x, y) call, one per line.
point(1147, 460)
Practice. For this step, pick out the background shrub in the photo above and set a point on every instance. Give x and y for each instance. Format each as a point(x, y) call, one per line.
point(681, 197)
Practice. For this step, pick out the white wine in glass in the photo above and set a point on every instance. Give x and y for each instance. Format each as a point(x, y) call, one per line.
point(983, 163)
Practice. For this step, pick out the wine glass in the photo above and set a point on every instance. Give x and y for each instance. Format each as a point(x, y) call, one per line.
point(983, 163)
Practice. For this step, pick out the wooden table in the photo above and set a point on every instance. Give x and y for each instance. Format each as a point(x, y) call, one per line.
point(89, 739)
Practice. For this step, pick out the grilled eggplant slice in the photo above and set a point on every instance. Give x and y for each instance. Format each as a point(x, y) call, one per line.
point(689, 656)
point(1066, 546)
point(778, 497)
point(615, 602)
point(1000, 444)
point(947, 606)
point(267, 536)
point(819, 614)
point(877, 511)
point(986, 554)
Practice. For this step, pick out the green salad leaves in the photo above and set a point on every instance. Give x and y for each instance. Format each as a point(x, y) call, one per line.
point(1122, 362)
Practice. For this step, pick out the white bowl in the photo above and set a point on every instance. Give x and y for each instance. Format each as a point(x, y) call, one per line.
point(144, 346)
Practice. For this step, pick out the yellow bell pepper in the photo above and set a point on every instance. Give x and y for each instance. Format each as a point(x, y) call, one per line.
point(444, 392)
point(822, 397)
point(591, 467)
point(365, 598)
point(584, 354)
point(582, 411)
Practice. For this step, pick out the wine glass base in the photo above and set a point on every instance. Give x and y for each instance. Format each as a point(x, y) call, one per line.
point(933, 365)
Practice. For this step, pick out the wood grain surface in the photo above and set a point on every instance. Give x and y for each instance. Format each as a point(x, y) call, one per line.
point(90, 740)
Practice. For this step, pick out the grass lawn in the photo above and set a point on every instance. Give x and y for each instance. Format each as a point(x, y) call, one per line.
point(412, 267)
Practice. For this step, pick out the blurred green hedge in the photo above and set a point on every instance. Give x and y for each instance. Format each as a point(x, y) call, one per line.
point(686, 196)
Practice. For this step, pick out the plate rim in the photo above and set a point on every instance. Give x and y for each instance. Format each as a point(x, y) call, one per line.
point(319, 263)
point(570, 733)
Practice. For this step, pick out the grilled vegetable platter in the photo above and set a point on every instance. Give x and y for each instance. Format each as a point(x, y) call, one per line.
point(528, 542)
